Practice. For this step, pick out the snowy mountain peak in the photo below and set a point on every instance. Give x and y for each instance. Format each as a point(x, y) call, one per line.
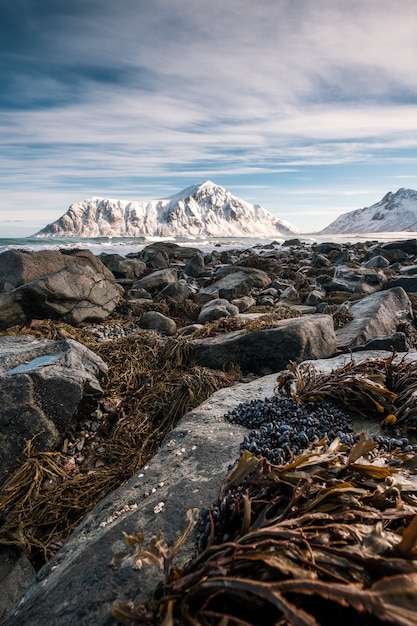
point(396, 212)
point(205, 209)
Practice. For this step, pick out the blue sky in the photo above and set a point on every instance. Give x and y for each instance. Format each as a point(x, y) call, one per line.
point(308, 107)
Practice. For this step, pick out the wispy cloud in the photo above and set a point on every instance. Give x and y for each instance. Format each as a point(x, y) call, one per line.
point(140, 98)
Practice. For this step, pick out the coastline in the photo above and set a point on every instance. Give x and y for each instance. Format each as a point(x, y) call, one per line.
point(126, 245)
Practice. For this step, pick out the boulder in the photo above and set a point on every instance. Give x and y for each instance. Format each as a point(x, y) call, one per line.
point(19, 267)
point(152, 320)
point(42, 383)
point(121, 267)
point(195, 266)
point(156, 281)
point(78, 586)
point(244, 303)
point(260, 279)
point(374, 316)
point(73, 288)
point(176, 292)
point(408, 283)
point(216, 309)
point(269, 350)
point(234, 285)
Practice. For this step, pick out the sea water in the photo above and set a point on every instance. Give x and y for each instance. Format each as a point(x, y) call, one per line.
point(131, 245)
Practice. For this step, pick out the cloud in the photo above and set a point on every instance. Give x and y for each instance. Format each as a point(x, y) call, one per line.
point(130, 95)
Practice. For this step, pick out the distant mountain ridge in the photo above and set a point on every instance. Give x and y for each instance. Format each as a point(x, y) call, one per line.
point(395, 212)
point(205, 209)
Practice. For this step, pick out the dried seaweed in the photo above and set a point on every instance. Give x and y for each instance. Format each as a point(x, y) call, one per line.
point(149, 386)
point(384, 387)
point(327, 536)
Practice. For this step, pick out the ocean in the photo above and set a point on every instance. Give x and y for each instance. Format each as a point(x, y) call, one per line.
point(131, 245)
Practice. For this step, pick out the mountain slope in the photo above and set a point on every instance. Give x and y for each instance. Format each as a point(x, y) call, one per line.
point(206, 209)
point(395, 212)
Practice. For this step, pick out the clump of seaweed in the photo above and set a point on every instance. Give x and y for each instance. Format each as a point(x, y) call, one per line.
point(331, 533)
point(150, 384)
point(341, 315)
point(386, 387)
point(218, 327)
point(230, 324)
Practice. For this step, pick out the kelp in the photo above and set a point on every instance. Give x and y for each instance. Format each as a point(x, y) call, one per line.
point(230, 324)
point(330, 536)
point(383, 387)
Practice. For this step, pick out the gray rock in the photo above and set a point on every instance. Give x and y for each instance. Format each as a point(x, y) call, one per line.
point(72, 287)
point(408, 283)
point(216, 309)
point(195, 266)
point(74, 295)
point(232, 286)
point(16, 574)
point(152, 320)
point(177, 292)
point(244, 303)
point(121, 267)
point(315, 297)
point(156, 281)
point(397, 341)
point(260, 279)
point(42, 383)
point(378, 261)
point(374, 316)
point(269, 350)
point(289, 295)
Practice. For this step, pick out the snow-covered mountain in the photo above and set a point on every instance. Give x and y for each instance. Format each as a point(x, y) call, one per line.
point(206, 209)
point(395, 212)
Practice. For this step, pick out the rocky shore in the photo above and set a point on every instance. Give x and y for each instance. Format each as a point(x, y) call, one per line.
point(234, 319)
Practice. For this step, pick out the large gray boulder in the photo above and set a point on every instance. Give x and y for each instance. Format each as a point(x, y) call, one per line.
point(42, 383)
point(73, 288)
point(377, 315)
point(18, 267)
point(269, 350)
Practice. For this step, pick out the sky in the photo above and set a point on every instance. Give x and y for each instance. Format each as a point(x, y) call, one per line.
point(307, 107)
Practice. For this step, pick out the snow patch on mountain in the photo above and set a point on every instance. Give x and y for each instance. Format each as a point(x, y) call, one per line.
point(395, 212)
point(205, 209)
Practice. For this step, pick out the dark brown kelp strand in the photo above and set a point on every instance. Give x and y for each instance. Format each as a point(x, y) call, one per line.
point(329, 537)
